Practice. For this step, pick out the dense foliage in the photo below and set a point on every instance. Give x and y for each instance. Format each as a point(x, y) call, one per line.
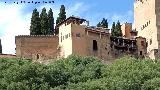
point(61, 17)
point(42, 24)
point(103, 23)
point(35, 23)
point(80, 73)
point(116, 30)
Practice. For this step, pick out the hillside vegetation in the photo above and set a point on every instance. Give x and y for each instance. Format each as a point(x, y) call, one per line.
point(80, 73)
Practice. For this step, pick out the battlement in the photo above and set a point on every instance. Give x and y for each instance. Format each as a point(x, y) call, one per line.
point(36, 36)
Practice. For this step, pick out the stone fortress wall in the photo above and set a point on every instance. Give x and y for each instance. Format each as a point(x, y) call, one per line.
point(36, 47)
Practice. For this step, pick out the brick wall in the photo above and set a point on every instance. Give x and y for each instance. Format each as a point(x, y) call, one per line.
point(37, 47)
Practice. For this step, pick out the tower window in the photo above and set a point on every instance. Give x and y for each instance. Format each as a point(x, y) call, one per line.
point(142, 43)
point(77, 34)
point(95, 47)
point(61, 38)
point(69, 34)
point(150, 41)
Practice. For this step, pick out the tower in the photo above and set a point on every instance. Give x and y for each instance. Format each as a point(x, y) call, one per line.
point(147, 23)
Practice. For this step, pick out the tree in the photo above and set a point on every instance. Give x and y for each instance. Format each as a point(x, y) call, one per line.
point(35, 23)
point(61, 17)
point(62, 14)
point(99, 24)
point(113, 29)
point(50, 22)
point(44, 22)
point(116, 29)
point(103, 23)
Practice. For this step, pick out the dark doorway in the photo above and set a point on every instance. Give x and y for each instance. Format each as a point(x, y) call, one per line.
point(37, 56)
point(95, 47)
point(140, 52)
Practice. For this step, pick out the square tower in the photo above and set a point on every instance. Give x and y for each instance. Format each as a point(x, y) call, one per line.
point(147, 23)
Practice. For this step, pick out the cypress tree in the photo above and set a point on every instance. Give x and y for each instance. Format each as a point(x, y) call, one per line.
point(50, 22)
point(103, 23)
point(113, 29)
point(44, 22)
point(35, 23)
point(99, 24)
point(118, 29)
point(62, 14)
point(61, 17)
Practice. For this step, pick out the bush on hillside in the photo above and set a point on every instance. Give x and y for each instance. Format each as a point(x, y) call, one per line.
point(80, 73)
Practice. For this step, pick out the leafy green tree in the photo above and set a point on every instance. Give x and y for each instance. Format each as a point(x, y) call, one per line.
point(50, 22)
point(35, 23)
point(61, 17)
point(113, 30)
point(80, 73)
point(62, 14)
point(116, 30)
point(103, 23)
point(99, 24)
point(44, 22)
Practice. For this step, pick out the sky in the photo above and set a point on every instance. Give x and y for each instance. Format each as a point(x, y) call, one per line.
point(15, 18)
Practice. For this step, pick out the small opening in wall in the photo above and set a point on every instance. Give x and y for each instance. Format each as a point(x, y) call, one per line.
point(61, 38)
point(140, 52)
point(142, 43)
point(95, 47)
point(77, 34)
point(150, 41)
point(37, 56)
point(69, 35)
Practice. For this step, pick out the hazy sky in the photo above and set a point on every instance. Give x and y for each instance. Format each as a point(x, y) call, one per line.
point(15, 18)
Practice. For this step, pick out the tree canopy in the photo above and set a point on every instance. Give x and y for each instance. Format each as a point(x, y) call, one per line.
point(35, 23)
point(116, 29)
point(42, 24)
point(61, 17)
point(50, 22)
point(80, 73)
point(103, 23)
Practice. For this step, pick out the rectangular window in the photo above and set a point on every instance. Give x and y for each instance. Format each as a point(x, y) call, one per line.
point(69, 34)
point(95, 47)
point(78, 35)
point(61, 38)
point(142, 43)
point(150, 41)
point(65, 36)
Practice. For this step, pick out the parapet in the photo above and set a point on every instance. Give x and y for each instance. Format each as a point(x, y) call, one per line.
point(30, 36)
point(97, 30)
